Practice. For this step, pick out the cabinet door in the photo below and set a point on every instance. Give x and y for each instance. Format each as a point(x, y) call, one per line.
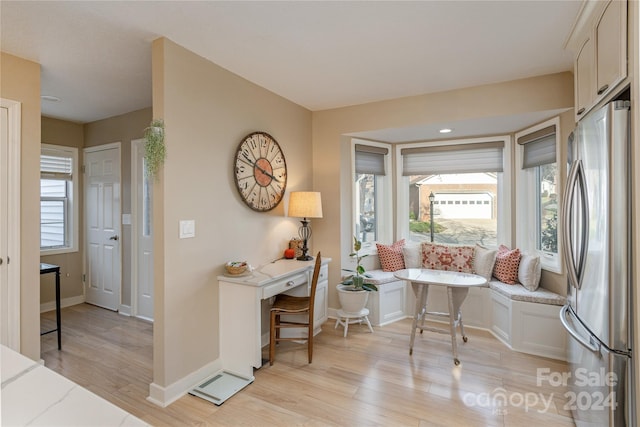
point(320, 305)
point(584, 66)
point(611, 52)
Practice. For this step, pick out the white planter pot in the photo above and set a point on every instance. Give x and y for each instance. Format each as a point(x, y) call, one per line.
point(352, 301)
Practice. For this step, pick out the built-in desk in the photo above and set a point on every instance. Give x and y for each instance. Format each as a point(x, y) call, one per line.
point(244, 308)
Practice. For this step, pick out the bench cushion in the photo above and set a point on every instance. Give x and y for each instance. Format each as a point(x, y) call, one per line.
point(517, 292)
point(379, 277)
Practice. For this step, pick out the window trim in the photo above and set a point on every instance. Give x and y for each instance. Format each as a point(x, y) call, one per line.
point(384, 196)
point(73, 207)
point(503, 230)
point(525, 208)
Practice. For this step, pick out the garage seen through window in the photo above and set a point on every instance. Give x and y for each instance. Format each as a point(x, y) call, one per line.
point(464, 208)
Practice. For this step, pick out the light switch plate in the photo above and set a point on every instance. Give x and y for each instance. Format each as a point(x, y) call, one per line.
point(187, 229)
point(126, 219)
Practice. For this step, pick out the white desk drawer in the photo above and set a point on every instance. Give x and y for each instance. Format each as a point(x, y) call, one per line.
point(324, 274)
point(284, 285)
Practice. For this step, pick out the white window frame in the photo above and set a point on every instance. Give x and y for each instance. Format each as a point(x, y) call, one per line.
point(383, 202)
point(526, 206)
point(503, 186)
point(73, 226)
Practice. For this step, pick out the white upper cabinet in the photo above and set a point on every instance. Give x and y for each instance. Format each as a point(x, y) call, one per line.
point(583, 78)
point(599, 39)
point(611, 50)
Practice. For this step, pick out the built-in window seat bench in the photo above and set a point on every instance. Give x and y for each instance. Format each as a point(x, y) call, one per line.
point(526, 321)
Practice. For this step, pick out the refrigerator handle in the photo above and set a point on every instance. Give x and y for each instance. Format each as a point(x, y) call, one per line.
point(567, 202)
point(592, 345)
point(584, 226)
point(575, 268)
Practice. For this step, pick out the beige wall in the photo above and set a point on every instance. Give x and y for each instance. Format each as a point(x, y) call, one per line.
point(61, 132)
point(330, 145)
point(123, 129)
point(20, 81)
point(207, 111)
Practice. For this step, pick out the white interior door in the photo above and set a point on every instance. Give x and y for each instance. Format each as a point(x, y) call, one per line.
point(141, 203)
point(103, 277)
point(10, 224)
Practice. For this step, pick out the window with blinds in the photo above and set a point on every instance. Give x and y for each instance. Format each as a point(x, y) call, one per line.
point(56, 196)
point(454, 190)
point(371, 191)
point(538, 192)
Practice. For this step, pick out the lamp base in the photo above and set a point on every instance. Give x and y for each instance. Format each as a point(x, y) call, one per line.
point(305, 258)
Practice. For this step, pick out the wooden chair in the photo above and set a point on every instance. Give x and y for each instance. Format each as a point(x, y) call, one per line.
point(290, 305)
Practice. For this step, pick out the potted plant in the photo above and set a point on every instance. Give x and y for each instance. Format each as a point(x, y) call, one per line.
point(353, 292)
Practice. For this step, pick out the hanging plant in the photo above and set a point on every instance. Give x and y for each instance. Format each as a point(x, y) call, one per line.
point(154, 149)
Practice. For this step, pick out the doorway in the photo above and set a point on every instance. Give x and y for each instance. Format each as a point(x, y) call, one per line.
point(102, 201)
point(141, 234)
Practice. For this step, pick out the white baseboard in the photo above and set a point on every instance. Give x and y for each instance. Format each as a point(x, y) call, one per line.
point(125, 310)
point(64, 302)
point(165, 396)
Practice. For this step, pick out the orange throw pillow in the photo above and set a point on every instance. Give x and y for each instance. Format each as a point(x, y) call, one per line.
point(507, 263)
point(391, 257)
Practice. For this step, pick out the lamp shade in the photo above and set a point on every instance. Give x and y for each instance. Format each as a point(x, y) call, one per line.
point(305, 204)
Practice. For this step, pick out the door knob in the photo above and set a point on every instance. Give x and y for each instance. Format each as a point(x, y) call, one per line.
point(113, 237)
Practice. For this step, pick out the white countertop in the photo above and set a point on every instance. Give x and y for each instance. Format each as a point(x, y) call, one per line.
point(266, 273)
point(37, 396)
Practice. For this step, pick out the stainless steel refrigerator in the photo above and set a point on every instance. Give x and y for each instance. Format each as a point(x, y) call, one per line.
point(596, 242)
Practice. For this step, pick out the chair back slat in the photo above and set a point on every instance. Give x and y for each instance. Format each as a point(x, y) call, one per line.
point(314, 285)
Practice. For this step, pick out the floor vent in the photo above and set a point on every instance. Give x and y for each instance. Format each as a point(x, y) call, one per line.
point(221, 387)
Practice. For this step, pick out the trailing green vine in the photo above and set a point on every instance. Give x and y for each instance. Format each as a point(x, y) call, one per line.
point(154, 149)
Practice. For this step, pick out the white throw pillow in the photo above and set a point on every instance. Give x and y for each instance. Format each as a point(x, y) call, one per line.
point(529, 271)
point(412, 255)
point(483, 261)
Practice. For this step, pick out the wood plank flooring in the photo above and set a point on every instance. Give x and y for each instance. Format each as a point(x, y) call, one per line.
point(362, 380)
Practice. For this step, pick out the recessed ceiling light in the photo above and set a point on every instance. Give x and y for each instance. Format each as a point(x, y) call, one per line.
point(445, 130)
point(50, 98)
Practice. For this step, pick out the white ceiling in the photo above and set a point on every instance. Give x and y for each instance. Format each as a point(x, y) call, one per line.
point(96, 56)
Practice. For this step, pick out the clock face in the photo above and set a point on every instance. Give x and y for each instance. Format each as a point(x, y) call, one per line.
point(260, 171)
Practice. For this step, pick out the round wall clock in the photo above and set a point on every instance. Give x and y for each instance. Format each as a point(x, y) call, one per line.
point(260, 171)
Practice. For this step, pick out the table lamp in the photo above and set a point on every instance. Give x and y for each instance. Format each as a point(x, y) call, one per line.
point(305, 204)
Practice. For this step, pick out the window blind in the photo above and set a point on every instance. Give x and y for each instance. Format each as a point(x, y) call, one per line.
point(370, 159)
point(539, 148)
point(459, 158)
point(55, 164)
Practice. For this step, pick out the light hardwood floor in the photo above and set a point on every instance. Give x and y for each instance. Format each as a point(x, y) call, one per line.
point(362, 380)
